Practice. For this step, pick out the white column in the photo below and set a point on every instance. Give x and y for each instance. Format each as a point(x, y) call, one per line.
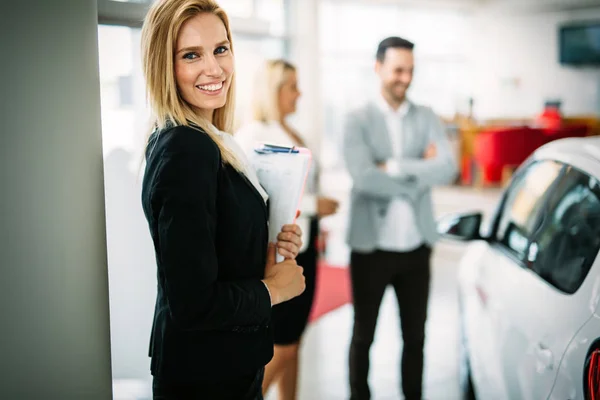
point(54, 334)
point(304, 53)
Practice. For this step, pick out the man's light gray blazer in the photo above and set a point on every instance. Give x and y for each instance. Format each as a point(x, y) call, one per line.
point(367, 143)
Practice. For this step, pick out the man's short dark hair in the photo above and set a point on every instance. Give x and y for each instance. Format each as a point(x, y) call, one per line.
point(392, 42)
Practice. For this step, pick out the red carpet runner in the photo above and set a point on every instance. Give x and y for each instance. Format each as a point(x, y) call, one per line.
point(332, 291)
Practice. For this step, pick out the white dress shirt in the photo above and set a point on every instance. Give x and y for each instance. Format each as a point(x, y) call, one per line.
point(398, 228)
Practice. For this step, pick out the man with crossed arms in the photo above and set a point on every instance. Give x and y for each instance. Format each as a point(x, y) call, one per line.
point(395, 152)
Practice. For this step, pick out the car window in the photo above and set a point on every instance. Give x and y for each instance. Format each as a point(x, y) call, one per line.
point(568, 239)
point(522, 203)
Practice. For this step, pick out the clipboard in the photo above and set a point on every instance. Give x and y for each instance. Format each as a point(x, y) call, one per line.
point(282, 171)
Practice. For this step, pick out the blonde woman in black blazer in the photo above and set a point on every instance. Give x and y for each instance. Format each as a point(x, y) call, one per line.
point(207, 214)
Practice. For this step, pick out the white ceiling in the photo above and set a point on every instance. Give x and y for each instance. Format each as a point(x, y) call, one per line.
point(541, 4)
point(514, 5)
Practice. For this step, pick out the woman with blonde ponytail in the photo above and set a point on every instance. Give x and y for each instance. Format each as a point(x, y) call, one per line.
point(274, 100)
point(207, 214)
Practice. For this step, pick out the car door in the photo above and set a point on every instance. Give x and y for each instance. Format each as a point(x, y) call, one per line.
point(549, 304)
point(497, 269)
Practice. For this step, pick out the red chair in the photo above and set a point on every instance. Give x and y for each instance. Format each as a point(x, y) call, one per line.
point(498, 151)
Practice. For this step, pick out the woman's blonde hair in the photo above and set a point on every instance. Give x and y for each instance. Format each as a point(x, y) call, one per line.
point(159, 42)
point(267, 85)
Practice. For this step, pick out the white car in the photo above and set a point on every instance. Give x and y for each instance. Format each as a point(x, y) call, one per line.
point(529, 282)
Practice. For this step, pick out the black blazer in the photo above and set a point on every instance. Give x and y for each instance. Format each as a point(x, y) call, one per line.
point(209, 227)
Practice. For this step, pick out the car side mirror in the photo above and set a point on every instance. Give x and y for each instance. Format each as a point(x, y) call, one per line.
point(463, 227)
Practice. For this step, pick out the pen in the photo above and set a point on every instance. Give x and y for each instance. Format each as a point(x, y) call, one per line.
point(268, 148)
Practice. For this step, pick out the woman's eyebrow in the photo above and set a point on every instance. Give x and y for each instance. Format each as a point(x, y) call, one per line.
point(191, 48)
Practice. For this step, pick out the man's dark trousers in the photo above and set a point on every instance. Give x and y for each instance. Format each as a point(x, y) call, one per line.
point(409, 275)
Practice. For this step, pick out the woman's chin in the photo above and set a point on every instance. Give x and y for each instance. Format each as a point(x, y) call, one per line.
point(210, 105)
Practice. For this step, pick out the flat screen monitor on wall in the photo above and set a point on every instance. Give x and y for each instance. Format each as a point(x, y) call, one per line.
point(579, 44)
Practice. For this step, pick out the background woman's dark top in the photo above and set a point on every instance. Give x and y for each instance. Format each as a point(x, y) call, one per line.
point(209, 227)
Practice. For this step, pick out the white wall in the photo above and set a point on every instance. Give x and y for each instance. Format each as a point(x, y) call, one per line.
point(515, 65)
point(503, 55)
point(54, 335)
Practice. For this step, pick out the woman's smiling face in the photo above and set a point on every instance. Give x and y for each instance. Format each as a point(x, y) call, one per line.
point(204, 63)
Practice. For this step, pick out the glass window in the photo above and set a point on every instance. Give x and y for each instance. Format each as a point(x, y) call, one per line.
point(567, 241)
point(125, 123)
point(125, 117)
point(273, 11)
point(522, 205)
point(347, 59)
